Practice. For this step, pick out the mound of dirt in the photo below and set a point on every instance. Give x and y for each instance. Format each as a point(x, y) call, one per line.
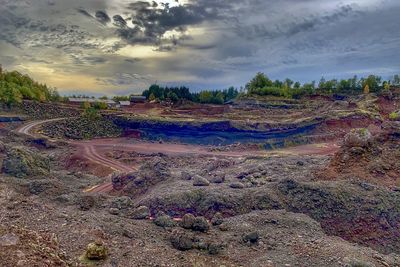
point(21, 162)
point(375, 159)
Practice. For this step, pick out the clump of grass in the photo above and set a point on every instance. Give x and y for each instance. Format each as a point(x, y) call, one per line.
point(394, 116)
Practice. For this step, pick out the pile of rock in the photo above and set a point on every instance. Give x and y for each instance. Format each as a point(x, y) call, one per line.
point(82, 128)
point(21, 162)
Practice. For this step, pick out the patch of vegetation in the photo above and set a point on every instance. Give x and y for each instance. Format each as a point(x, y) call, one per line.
point(262, 85)
point(15, 87)
point(394, 116)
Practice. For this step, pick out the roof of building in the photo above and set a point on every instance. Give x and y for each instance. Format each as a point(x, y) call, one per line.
point(80, 100)
point(91, 100)
point(138, 97)
point(125, 103)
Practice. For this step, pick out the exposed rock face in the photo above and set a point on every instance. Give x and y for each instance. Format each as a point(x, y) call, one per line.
point(358, 138)
point(21, 162)
point(96, 251)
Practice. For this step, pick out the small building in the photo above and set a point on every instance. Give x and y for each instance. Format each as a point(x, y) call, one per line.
point(124, 103)
point(81, 100)
point(138, 99)
point(78, 101)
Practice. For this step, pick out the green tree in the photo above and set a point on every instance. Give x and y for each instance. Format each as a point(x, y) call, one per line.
point(386, 86)
point(100, 105)
point(205, 97)
point(258, 82)
point(91, 114)
point(9, 94)
point(297, 85)
point(85, 105)
point(152, 97)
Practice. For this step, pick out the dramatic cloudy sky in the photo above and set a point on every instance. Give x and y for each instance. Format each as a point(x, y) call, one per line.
point(119, 46)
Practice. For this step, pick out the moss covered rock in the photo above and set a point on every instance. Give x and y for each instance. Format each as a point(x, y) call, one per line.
point(96, 251)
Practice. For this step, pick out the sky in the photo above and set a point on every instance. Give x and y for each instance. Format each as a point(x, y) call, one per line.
point(115, 47)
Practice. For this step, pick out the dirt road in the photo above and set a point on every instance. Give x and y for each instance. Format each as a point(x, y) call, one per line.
point(27, 128)
point(87, 151)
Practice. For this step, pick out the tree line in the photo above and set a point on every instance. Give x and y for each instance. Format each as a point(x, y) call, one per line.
point(175, 94)
point(14, 87)
point(262, 85)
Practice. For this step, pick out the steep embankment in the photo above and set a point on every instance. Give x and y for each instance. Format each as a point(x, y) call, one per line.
point(217, 132)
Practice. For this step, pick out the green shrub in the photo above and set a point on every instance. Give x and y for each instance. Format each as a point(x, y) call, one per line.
point(394, 116)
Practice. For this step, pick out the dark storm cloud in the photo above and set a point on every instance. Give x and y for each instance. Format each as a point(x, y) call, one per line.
point(197, 39)
point(84, 12)
point(102, 17)
point(295, 25)
point(119, 21)
point(152, 21)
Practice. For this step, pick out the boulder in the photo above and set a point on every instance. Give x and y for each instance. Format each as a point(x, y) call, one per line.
point(181, 241)
point(200, 181)
point(358, 138)
point(215, 248)
point(218, 179)
point(21, 162)
point(86, 202)
point(141, 213)
point(188, 221)
point(38, 187)
point(164, 220)
point(252, 237)
point(96, 251)
point(236, 185)
point(218, 219)
point(186, 175)
point(201, 224)
point(121, 203)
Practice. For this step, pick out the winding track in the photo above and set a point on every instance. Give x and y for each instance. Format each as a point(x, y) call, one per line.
point(89, 152)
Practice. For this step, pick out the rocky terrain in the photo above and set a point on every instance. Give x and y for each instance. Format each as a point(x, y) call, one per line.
point(220, 207)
